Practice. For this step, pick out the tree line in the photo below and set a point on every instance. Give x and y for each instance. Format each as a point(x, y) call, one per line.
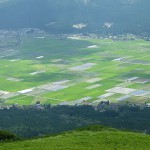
point(28, 122)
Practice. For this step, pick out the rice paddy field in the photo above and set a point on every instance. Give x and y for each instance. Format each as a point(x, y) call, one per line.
point(75, 71)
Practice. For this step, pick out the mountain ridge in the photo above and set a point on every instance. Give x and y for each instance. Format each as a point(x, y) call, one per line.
point(106, 16)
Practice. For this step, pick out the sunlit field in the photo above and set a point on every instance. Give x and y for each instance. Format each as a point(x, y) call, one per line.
point(75, 71)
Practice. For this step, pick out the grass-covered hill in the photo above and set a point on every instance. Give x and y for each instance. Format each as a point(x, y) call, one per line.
point(100, 16)
point(90, 138)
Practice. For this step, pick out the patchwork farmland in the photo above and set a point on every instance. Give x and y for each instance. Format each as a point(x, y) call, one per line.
point(75, 71)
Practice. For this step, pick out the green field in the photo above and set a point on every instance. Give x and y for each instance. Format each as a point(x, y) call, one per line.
point(52, 70)
point(97, 139)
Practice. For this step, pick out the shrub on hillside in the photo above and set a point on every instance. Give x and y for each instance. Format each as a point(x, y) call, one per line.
point(96, 128)
point(7, 136)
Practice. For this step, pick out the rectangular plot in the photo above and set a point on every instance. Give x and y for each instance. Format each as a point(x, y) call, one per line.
point(82, 67)
point(82, 100)
point(61, 82)
point(140, 93)
point(106, 95)
point(94, 86)
point(142, 81)
point(132, 79)
point(53, 87)
point(3, 93)
point(93, 46)
point(37, 72)
point(121, 90)
point(124, 98)
point(93, 80)
point(14, 79)
point(26, 91)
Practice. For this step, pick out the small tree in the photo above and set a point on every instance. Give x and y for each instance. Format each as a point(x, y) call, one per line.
point(7, 136)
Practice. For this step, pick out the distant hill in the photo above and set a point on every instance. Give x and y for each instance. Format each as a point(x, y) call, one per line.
point(74, 16)
point(94, 137)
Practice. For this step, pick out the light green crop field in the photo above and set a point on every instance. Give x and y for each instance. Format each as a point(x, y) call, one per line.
point(75, 71)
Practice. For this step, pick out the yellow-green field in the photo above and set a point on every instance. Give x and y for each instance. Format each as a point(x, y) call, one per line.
point(75, 71)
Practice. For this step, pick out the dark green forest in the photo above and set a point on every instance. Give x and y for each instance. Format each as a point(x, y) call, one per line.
point(59, 16)
point(28, 122)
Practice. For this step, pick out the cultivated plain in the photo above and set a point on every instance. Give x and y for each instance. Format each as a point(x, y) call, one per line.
point(70, 71)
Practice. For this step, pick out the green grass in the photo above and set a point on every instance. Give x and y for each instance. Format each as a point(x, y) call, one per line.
point(91, 138)
point(23, 99)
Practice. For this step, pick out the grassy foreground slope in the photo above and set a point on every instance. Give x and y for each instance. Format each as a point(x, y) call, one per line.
point(90, 139)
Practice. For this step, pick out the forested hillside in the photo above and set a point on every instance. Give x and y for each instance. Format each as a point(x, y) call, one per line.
point(67, 16)
point(31, 122)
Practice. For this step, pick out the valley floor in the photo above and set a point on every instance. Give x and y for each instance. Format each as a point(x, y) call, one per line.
point(74, 70)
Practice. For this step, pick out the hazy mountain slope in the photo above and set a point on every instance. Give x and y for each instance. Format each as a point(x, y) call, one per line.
point(95, 138)
point(60, 15)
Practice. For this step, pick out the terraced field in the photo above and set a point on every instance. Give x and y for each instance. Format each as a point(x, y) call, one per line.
point(75, 71)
